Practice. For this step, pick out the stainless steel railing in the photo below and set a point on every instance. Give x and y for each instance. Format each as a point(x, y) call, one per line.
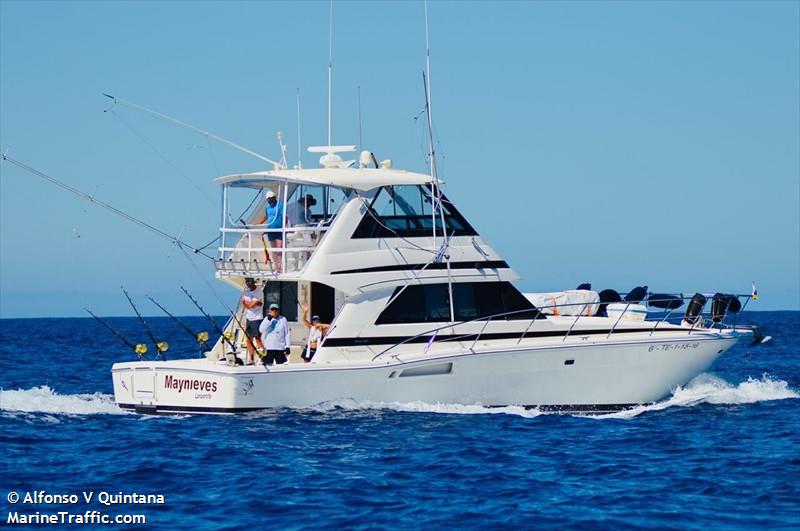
point(701, 319)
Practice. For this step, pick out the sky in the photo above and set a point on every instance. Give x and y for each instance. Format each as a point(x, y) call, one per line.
point(617, 143)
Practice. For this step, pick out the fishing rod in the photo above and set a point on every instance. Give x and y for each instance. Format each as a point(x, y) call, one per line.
point(140, 348)
point(225, 336)
point(192, 128)
point(115, 210)
point(161, 346)
point(201, 337)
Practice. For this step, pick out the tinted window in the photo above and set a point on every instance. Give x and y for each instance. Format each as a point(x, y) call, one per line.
point(284, 294)
point(407, 211)
point(430, 303)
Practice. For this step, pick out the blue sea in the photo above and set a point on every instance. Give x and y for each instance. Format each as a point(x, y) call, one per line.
point(723, 452)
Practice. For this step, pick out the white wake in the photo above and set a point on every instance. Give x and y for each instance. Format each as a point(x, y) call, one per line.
point(709, 389)
point(44, 400)
point(424, 407)
point(705, 388)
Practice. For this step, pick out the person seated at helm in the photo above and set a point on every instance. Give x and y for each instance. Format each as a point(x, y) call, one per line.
point(299, 212)
point(317, 330)
point(273, 218)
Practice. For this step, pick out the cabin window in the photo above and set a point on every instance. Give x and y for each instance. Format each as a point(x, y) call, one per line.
point(301, 209)
point(284, 294)
point(406, 211)
point(430, 303)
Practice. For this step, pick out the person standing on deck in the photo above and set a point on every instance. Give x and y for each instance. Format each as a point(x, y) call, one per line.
point(316, 332)
point(275, 335)
point(273, 218)
point(253, 314)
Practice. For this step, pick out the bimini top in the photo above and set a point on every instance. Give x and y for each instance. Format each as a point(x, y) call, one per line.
point(362, 179)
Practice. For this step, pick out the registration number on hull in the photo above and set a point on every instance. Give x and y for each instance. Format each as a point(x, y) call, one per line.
point(675, 346)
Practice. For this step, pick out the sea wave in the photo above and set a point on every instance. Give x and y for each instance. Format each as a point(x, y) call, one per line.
point(43, 399)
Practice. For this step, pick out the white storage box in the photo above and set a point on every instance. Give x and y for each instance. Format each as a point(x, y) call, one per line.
point(570, 302)
point(634, 312)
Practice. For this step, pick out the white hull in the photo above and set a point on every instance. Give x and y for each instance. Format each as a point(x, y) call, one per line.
point(602, 375)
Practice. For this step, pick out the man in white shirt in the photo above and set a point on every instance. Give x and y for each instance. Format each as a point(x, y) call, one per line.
point(253, 314)
point(299, 212)
point(275, 337)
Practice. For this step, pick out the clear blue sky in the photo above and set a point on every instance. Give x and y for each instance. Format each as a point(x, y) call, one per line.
point(617, 143)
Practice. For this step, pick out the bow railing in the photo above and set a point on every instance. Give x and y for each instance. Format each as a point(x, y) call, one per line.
point(699, 322)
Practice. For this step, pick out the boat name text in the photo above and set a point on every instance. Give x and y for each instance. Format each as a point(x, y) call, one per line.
point(189, 384)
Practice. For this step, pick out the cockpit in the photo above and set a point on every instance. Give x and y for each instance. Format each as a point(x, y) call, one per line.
point(272, 226)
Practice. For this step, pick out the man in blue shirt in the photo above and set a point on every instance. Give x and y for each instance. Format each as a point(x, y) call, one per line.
point(273, 218)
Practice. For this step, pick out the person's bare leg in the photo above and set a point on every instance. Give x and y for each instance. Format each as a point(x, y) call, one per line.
point(277, 258)
point(250, 350)
point(259, 345)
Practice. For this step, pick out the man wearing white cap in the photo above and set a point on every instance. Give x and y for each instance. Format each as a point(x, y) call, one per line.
point(275, 336)
point(273, 218)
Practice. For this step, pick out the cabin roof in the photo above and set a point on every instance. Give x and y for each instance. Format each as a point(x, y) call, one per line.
point(358, 178)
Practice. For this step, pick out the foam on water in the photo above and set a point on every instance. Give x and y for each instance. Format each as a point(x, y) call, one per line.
point(44, 400)
point(710, 389)
point(705, 388)
point(424, 407)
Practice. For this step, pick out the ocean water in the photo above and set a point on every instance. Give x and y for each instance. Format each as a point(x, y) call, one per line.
point(723, 452)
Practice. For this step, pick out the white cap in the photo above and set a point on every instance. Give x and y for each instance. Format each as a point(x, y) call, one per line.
point(270, 193)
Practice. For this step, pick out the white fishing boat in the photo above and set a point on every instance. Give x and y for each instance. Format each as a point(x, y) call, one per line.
point(417, 313)
point(420, 306)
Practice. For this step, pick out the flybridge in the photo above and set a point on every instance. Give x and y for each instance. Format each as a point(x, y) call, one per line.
point(259, 238)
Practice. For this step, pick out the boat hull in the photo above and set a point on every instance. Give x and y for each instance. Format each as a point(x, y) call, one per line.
point(583, 377)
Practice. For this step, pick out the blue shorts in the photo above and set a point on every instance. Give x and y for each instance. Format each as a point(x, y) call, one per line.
point(272, 236)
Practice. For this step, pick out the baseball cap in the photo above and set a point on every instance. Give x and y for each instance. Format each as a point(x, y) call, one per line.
point(270, 193)
point(315, 318)
point(274, 306)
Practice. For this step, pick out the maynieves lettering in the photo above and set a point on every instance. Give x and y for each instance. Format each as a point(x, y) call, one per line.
point(189, 384)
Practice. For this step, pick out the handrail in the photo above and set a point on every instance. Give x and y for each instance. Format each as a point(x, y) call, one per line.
point(538, 311)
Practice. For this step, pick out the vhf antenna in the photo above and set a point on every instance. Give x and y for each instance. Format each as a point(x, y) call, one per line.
point(330, 74)
point(299, 150)
point(360, 142)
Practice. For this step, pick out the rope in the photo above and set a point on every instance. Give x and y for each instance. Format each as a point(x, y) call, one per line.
point(203, 277)
point(160, 155)
point(379, 222)
point(108, 207)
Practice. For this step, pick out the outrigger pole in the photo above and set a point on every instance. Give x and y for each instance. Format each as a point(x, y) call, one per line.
point(161, 346)
point(435, 186)
point(208, 134)
point(140, 348)
point(211, 321)
point(115, 210)
point(201, 337)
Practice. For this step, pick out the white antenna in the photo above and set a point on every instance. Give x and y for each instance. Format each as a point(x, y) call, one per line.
point(299, 159)
point(283, 149)
point(360, 143)
point(330, 73)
